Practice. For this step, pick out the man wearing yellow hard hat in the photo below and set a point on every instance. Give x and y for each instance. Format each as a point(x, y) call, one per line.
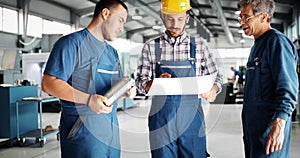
point(176, 122)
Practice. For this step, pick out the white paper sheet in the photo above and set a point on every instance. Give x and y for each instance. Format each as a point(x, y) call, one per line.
point(182, 86)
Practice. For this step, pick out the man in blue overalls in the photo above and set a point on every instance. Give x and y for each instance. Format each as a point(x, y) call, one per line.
point(176, 123)
point(240, 77)
point(81, 68)
point(271, 88)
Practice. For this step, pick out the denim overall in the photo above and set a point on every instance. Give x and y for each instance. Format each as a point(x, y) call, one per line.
point(176, 122)
point(96, 135)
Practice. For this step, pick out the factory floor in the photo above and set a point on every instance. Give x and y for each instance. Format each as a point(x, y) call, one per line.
point(223, 126)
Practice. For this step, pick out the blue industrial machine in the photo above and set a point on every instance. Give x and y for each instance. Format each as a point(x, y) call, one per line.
point(28, 115)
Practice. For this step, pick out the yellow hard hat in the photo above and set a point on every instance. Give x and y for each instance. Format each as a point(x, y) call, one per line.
point(175, 6)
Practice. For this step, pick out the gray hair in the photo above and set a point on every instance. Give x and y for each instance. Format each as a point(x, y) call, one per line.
point(260, 6)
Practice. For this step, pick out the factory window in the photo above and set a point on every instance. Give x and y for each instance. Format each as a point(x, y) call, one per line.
point(35, 26)
point(294, 32)
point(299, 25)
point(289, 31)
point(10, 20)
point(52, 27)
point(1, 20)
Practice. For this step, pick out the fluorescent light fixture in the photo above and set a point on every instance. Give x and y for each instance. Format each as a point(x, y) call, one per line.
point(156, 27)
point(137, 17)
point(240, 31)
point(242, 41)
point(237, 12)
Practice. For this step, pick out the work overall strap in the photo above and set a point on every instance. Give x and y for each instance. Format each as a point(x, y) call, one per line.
point(158, 49)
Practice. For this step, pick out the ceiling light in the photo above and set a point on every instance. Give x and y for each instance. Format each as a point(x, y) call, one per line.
point(156, 27)
point(242, 41)
point(238, 12)
point(137, 17)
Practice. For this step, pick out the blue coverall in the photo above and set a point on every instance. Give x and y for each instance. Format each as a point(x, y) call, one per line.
point(93, 67)
point(176, 123)
point(271, 91)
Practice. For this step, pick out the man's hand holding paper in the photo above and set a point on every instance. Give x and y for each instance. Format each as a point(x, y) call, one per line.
point(211, 95)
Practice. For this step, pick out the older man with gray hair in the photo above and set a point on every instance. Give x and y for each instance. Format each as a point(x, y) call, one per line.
point(271, 88)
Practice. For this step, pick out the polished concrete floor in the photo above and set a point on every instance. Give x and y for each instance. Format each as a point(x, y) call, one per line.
point(224, 134)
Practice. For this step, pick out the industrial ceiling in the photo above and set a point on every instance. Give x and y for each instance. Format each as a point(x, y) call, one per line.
point(212, 19)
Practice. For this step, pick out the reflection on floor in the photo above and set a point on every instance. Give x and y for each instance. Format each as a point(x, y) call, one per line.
point(223, 123)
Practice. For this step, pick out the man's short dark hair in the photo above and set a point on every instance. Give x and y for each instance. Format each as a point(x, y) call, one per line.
point(107, 4)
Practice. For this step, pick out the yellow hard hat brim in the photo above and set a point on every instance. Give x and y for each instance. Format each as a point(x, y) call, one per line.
point(173, 11)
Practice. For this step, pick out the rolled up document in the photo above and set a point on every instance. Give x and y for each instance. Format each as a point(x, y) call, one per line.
point(119, 90)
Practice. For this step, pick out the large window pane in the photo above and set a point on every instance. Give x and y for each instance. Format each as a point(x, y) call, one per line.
point(1, 19)
point(10, 20)
point(35, 26)
point(299, 25)
point(21, 28)
point(52, 27)
point(294, 32)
